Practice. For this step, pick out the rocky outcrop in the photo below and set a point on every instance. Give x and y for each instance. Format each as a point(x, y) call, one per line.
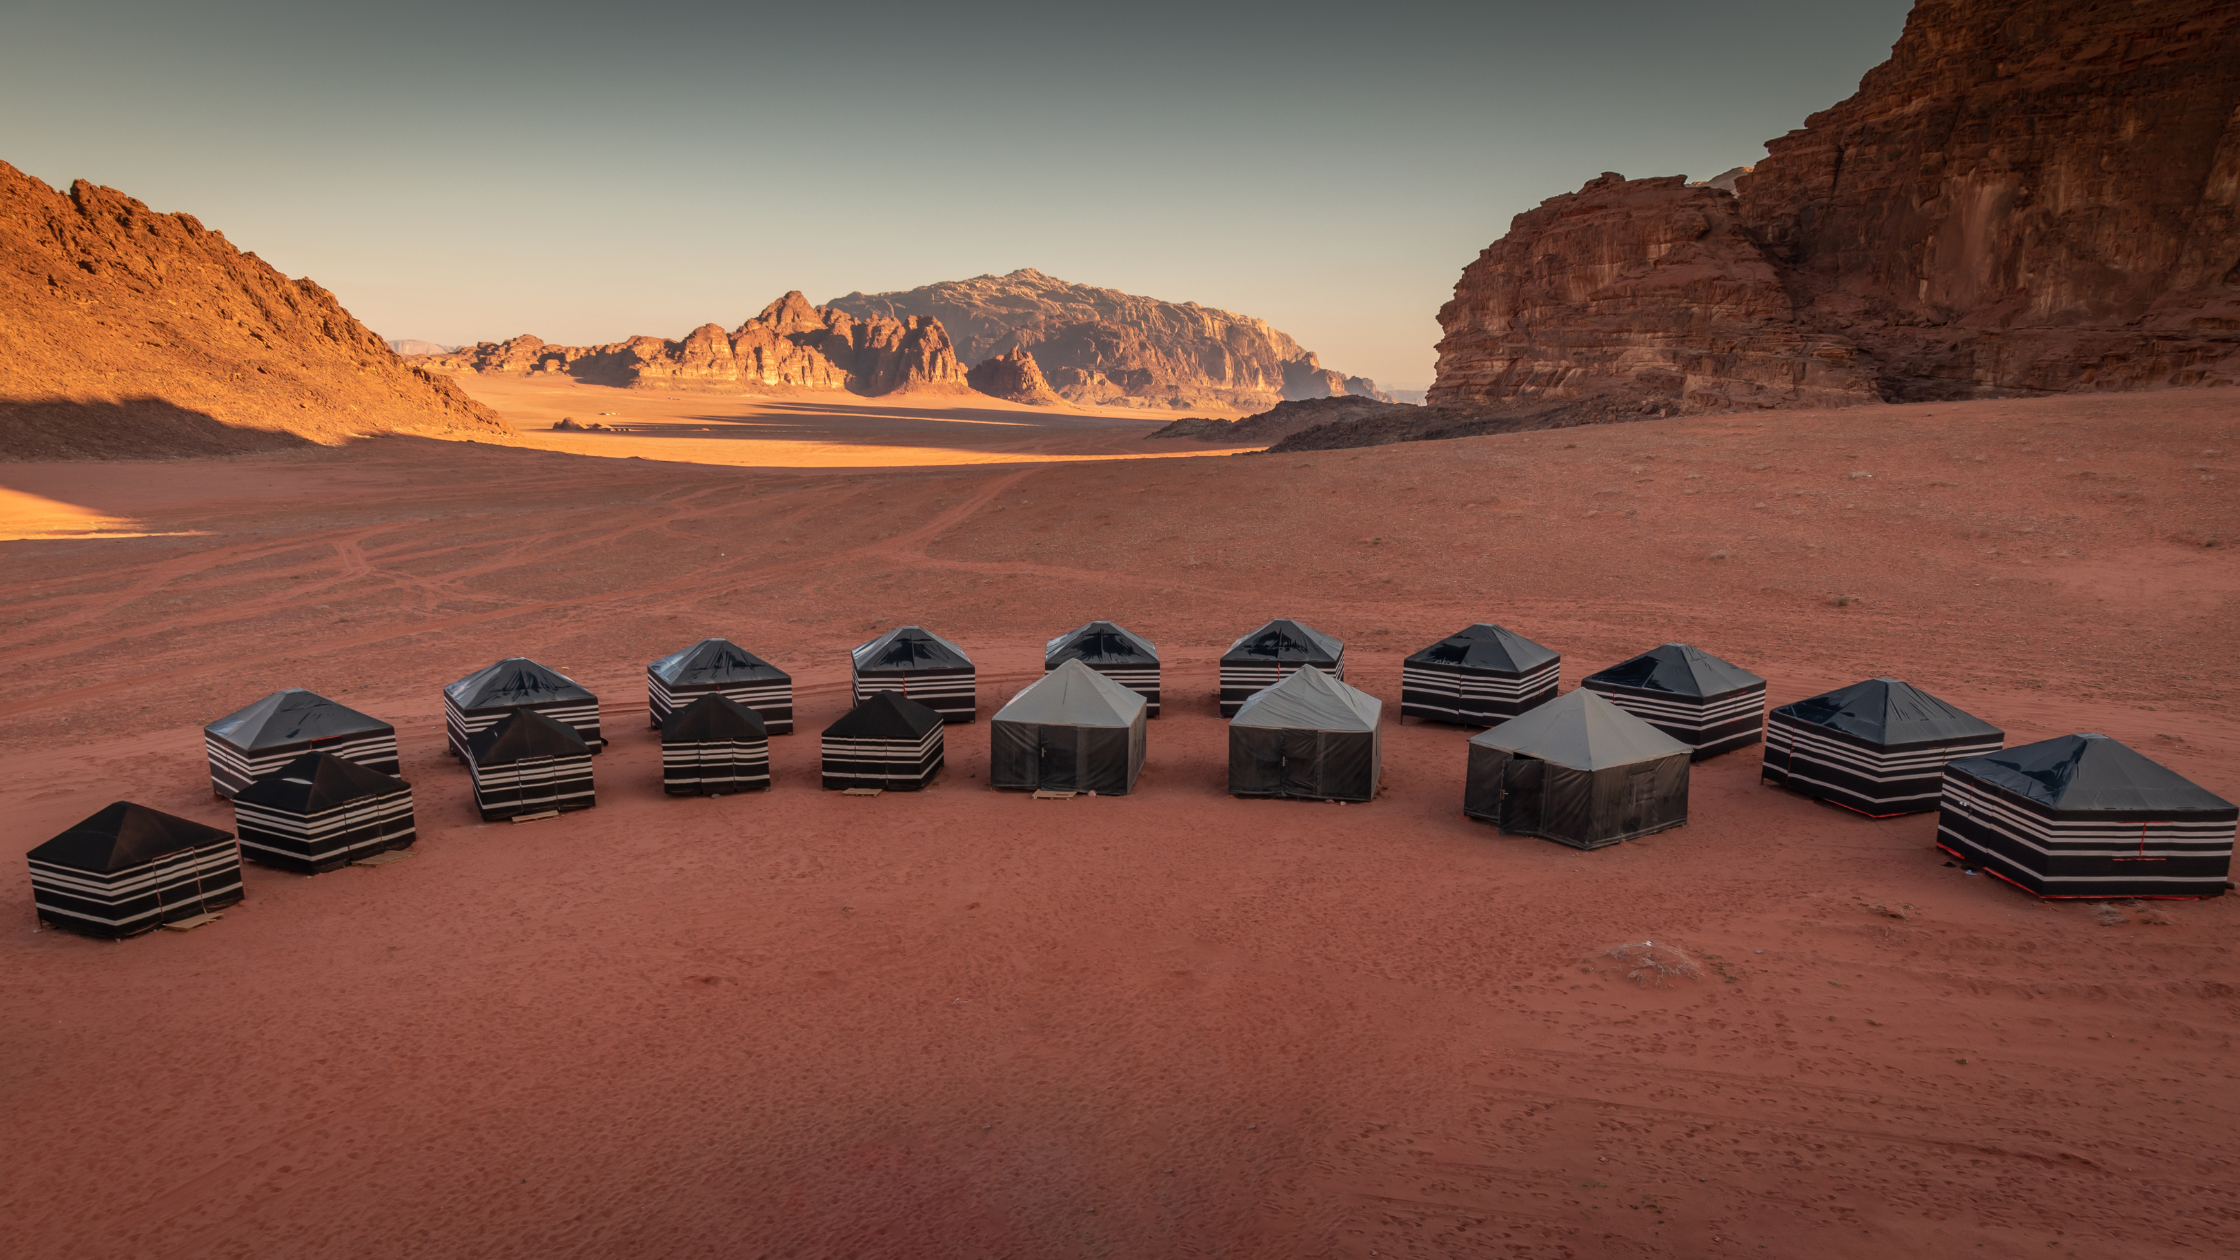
point(1278, 422)
point(790, 346)
point(1015, 376)
point(125, 333)
point(1107, 348)
point(2029, 196)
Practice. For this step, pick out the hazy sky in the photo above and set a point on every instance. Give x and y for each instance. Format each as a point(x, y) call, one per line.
point(467, 171)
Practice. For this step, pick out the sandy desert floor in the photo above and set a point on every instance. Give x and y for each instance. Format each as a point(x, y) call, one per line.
point(966, 1023)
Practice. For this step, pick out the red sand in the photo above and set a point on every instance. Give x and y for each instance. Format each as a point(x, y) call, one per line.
point(973, 1024)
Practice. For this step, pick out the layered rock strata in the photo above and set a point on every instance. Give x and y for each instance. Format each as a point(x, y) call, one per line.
point(791, 345)
point(1015, 376)
point(128, 333)
point(1108, 348)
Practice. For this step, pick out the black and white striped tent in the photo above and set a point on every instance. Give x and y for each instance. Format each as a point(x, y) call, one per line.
point(1706, 703)
point(2084, 816)
point(130, 869)
point(529, 764)
point(1479, 676)
point(720, 667)
point(1272, 653)
point(712, 747)
point(1877, 747)
point(921, 665)
point(1074, 730)
point(889, 741)
point(482, 699)
point(320, 811)
point(250, 744)
point(1126, 658)
point(1578, 770)
point(1309, 736)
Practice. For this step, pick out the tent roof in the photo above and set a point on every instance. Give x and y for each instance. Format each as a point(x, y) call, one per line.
point(1680, 668)
point(910, 647)
point(1103, 642)
point(714, 661)
point(1285, 640)
point(526, 733)
point(1887, 711)
point(2089, 772)
point(1582, 731)
point(712, 717)
point(293, 716)
point(1486, 646)
point(124, 835)
point(513, 681)
point(1074, 695)
point(1310, 700)
point(318, 781)
point(885, 715)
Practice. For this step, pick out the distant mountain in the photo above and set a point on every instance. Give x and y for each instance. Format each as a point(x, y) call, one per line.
point(407, 345)
point(1108, 348)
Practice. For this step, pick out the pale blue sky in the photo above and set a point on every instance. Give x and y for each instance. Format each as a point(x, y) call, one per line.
point(467, 171)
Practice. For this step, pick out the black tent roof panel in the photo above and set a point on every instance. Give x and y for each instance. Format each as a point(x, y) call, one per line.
point(715, 662)
point(2091, 772)
point(885, 715)
point(1285, 640)
point(1680, 668)
point(910, 648)
point(316, 782)
point(516, 680)
point(1888, 712)
point(1100, 643)
point(293, 716)
point(713, 717)
point(1486, 646)
point(123, 835)
point(526, 733)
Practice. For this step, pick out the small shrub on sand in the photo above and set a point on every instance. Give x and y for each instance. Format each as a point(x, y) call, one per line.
point(1654, 966)
point(2108, 916)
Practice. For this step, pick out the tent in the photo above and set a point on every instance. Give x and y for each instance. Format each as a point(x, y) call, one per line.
point(921, 665)
point(527, 764)
point(1706, 703)
point(1126, 658)
point(319, 811)
point(713, 746)
point(1878, 746)
point(1271, 653)
point(482, 699)
point(1309, 736)
point(720, 667)
point(889, 741)
point(1477, 677)
point(247, 745)
point(130, 869)
point(1075, 730)
point(1580, 771)
point(2084, 816)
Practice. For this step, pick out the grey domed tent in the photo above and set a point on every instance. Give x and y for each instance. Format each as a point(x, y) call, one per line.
point(249, 744)
point(1126, 658)
point(483, 698)
point(1074, 730)
point(919, 664)
point(1309, 736)
point(1708, 704)
point(320, 811)
point(1274, 652)
point(528, 764)
point(1580, 771)
point(889, 741)
point(714, 746)
point(1877, 747)
point(2085, 816)
point(1477, 677)
point(720, 667)
point(129, 869)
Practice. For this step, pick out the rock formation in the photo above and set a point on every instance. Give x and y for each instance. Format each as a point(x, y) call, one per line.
point(1278, 422)
point(410, 346)
point(127, 333)
point(2030, 195)
point(1108, 348)
point(791, 345)
point(1013, 375)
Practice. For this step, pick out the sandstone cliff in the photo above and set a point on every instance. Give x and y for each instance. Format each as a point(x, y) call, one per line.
point(2030, 195)
point(791, 345)
point(1013, 375)
point(1104, 347)
point(127, 333)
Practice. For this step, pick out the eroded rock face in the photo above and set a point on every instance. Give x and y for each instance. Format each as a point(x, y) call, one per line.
point(1013, 375)
point(791, 345)
point(2030, 195)
point(127, 333)
point(1108, 348)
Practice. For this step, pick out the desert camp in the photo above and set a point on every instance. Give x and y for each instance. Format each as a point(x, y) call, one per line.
point(1074, 730)
point(1580, 771)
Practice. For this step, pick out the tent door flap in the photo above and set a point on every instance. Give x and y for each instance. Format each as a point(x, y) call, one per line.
point(1520, 794)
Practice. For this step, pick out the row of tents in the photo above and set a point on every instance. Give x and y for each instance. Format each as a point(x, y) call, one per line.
point(315, 784)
